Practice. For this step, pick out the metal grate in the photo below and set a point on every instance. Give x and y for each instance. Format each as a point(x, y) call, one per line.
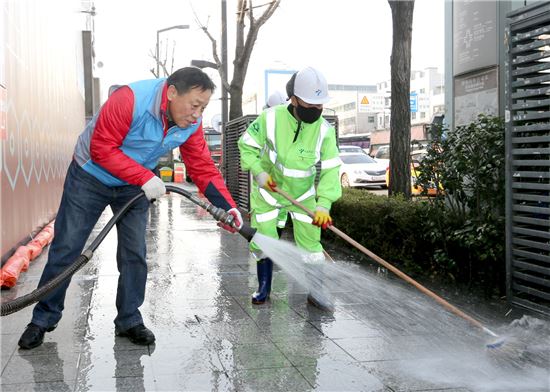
point(528, 157)
point(238, 181)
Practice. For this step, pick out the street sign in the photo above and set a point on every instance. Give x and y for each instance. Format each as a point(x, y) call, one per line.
point(364, 104)
point(413, 101)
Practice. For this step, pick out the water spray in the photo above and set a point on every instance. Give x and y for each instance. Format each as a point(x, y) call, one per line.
point(497, 343)
point(217, 213)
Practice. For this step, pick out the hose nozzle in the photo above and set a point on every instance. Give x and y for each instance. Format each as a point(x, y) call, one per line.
point(217, 213)
point(220, 215)
point(228, 219)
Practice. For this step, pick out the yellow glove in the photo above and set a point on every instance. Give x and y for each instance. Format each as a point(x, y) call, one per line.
point(265, 181)
point(322, 217)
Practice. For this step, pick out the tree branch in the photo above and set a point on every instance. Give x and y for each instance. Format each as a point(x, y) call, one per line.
point(153, 70)
point(215, 55)
point(255, 24)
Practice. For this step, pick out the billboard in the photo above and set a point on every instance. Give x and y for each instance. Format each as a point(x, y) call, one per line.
point(475, 93)
point(474, 35)
point(276, 79)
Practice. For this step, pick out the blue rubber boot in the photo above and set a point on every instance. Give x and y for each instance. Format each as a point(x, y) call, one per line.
point(264, 268)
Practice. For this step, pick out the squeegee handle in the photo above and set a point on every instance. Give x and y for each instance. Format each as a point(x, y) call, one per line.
point(387, 265)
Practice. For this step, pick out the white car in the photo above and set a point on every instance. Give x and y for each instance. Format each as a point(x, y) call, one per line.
point(360, 170)
point(350, 148)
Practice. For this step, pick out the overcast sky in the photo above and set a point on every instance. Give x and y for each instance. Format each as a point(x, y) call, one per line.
point(348, 40)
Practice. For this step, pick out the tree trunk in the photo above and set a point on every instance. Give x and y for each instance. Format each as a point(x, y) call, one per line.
point(236, 94)
point(400, 124)
point(244, 44)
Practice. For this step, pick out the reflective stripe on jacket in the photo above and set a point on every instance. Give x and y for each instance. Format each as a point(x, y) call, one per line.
point(270, 144)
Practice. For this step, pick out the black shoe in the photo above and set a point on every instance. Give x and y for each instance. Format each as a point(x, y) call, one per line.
point(33, 336)
point(139, 334)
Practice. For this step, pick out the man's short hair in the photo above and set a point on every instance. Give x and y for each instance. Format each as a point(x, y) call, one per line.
point(184, 79)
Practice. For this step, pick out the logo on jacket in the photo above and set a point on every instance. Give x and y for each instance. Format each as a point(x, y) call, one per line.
point(303, 150)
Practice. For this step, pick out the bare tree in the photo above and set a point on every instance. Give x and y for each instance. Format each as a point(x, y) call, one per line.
point(400, 124)
point(244, 44)
point(163, 59)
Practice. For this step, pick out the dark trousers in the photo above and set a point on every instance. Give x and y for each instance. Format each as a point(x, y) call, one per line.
point(84, 200)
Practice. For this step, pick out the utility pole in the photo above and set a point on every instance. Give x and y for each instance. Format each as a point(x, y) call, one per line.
point(225, 117)
point(157, 48)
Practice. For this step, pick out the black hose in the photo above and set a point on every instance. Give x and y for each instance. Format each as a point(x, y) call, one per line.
point(28, 299)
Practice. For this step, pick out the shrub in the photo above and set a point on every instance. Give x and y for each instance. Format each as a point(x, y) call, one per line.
point(457, 235)
point(470, 164)
point(386, 226)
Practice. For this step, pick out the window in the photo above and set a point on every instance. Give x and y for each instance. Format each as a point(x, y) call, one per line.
point(371, 119)
point(413, 115)
point(422, 114)
point(350, 121)
point(356, 158)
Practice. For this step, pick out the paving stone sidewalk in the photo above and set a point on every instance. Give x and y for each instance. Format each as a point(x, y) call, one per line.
point(211, 338)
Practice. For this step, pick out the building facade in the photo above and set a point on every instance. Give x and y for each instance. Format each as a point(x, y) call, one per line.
point(427, 100)
point(352, 104)
point(43, 85)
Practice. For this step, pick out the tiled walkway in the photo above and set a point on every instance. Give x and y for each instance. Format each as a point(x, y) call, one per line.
point(211, 338)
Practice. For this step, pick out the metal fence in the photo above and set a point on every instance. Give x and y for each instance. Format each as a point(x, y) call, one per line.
point(239, 181)
point(528, 157)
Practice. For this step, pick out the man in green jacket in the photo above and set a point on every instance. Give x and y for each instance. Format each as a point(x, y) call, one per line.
point(281, 148)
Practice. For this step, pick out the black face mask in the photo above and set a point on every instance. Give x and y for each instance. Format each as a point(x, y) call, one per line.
point(308, 115)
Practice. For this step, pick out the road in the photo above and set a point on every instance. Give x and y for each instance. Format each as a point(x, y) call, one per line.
point(377, 191)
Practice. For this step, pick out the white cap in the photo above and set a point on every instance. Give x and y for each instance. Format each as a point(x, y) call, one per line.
point(277, 98)
point(311, 86)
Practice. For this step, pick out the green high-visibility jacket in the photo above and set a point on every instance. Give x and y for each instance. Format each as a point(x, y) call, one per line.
point(288, 150)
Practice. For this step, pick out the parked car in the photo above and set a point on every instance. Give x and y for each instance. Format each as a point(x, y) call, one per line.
point(360, 170)
point(416, 190)
point(351, 148)
point(214, 141)
point(383, 155)
point(418, 155)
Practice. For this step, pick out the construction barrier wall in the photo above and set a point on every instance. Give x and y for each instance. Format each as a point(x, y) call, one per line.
point(528, 157)
point(41, 111)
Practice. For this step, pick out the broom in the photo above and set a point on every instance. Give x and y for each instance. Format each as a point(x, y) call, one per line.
point(495, 344)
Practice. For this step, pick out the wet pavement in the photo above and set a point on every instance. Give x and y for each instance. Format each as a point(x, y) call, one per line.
point(210, 337)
